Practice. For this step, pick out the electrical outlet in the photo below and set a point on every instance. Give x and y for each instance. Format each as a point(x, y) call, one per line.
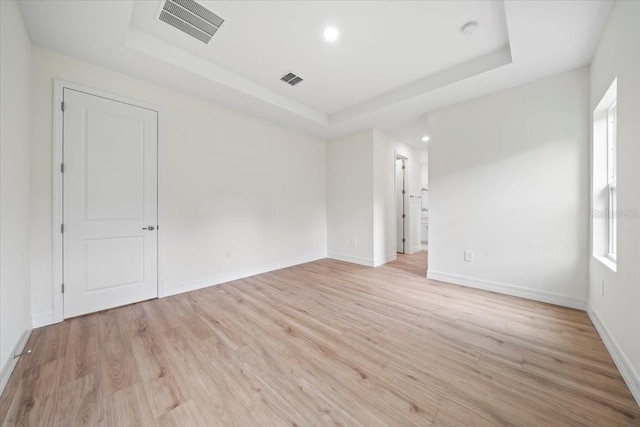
point(354, 242)
point(203, 208)
point(468, 256)
point(602, 288)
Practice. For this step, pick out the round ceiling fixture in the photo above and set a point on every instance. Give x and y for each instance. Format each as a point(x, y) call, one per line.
point(469, 28)
point(331, 34)
point(425, 138)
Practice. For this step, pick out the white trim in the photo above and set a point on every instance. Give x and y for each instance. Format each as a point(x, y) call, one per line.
point(57, 272)
point(607, 262)
point(415, 249)
point(630, 376)
point(56, 182)
point(59, 84)
point(192, 285)
point(10, 364)
point(381, 261)
point(42, 319)
point(509, 289)
point(161, 196)
point(406, 204)
point(368, 262)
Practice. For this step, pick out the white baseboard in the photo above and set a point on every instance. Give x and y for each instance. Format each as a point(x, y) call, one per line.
point(192, 285)
point(353, 260)
point(363, 261)
point(381, 261)
point(508, 289)
point(47, 318)
point(629, 375)
point(415, 249)
point(42, 319)
point(10, 364)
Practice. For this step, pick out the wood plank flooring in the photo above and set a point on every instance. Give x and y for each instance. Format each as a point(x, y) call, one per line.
point(324, 343)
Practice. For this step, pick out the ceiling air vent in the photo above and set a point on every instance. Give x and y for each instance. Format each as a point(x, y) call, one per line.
point(291, 78)
point(191, 18)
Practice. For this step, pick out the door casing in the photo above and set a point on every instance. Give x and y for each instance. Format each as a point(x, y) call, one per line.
point(57, 314)
point(404, 211)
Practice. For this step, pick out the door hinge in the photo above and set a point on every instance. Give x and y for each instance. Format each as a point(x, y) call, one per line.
point(402, 166)
point(62, 105)
point(62, 228)
point(404, 216)
point(61, 167)
point(63, 288)
point(403, 191)
point(403, 240)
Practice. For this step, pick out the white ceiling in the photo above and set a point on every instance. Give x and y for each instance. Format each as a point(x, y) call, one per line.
point(394, 60)
point(262, 40)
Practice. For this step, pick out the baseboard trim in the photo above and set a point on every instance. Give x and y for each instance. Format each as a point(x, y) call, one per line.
point(42, 319)
point(363, 261)
point(10, 364)
point(415, 249)
point(508, 289)
point(630, 376)
point(193, 285)
point(381, 261)
point(353, 260)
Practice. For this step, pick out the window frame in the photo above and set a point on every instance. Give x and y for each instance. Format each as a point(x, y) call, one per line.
point(612, 194)
point(604, 190)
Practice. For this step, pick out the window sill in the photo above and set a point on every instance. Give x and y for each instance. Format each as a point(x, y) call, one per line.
point(608, 262)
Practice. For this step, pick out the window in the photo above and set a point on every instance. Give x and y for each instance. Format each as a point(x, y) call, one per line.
point(611, 180)
point(604, 197)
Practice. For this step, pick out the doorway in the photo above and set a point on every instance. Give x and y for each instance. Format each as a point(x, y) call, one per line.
point(401, 204)
point(109, 174)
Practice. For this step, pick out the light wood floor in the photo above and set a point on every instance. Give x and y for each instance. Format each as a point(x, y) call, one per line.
point(324, 343)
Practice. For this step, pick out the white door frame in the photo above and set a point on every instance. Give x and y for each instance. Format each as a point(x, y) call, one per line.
point(57, 214)
point(405, 200)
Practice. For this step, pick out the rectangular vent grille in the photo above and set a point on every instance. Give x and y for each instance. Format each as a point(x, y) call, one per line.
point(291, 78)
point(191, 18)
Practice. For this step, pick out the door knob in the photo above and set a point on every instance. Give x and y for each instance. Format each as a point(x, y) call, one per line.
point(150, 228)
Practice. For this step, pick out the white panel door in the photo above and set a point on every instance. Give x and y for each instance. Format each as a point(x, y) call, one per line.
point(110, 206)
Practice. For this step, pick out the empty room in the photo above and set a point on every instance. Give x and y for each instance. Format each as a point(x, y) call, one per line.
point(314, 213)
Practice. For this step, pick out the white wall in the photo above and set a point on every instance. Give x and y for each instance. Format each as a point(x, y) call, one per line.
point(617, 312)
point(361, 198)
point(15, 136)
point(385, 150)
point(229, 184)
point(508, 177)
point(424, 163)
point(350, 198)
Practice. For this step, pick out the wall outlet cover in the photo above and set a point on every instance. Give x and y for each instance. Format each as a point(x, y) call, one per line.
point(468, 256)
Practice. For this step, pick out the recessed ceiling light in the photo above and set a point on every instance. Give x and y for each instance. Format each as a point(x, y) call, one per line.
point(425, 138)
point(331, 34)
point(469, 28)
